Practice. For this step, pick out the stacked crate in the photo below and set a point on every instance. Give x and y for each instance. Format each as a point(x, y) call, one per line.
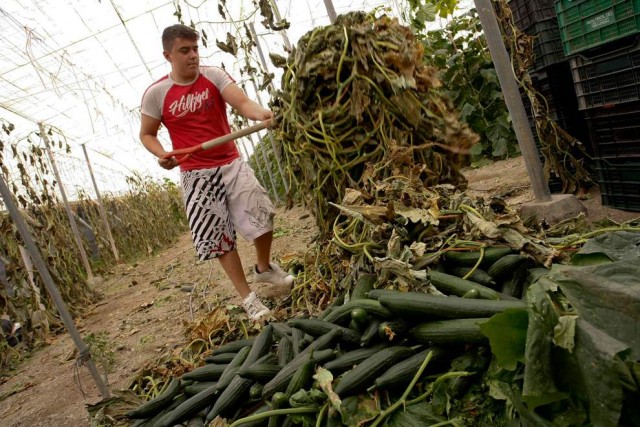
point(601, 40)
point(551, 72)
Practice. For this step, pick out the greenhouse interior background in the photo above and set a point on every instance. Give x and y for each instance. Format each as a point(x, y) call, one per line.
point(81, 67)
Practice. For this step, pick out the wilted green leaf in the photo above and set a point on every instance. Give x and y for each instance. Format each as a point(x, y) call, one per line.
point(538, 375)
point(507, 333)
point(587, 259)
point(565, 331)
point(418, 415)
point(619, 245)
point(357, 409)
point(607, 296)
point(599, 362)
point(324, 379)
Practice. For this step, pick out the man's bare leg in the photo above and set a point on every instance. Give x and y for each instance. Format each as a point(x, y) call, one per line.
point(263, 251)
point(232, 266)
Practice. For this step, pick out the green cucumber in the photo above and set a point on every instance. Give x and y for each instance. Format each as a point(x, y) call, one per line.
point(370, 333)
point(393, 330)
point(157, 404)
point(505, 266)
point(360, 318)
point(342, 314)
point(190, 407)
point(157, 420)
point(222, 358)
point(478, 275)
point(197, 421)
point(470, 258)
point(471, 294)
point(234, 346)
point(255, 392)
point(278, 401)
point(232, 368)
point(425, 307)
point(364, 284)
point(377, 293)
point(449, 331)
point(297, 337)
point(401, 374)
point(285, 351)
point(239, 386)
point(301, 379)
point(317, 327)
point(364, 374)
point(230, 397)
point(280, 381)
point(513, 285)
point(337, 301)
point(454, 285)
point(259, 423)
point(259, 373)
point(280, 330)
point(208, 372)
point(197, 387)
point(346, 361)
point(260, 346)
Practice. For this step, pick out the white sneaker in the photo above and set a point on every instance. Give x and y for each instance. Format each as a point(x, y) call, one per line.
point(254, 307)
point(276, 275)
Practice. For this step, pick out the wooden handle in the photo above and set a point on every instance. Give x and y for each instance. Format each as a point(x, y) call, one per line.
point(235, 135)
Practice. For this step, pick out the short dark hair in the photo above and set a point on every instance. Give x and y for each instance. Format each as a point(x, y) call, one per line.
point(177, 31)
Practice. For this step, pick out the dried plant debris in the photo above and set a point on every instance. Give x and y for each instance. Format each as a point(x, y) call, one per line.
point(355, 96)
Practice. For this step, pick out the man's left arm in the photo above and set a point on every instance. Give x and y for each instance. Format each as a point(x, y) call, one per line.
point(235, 97)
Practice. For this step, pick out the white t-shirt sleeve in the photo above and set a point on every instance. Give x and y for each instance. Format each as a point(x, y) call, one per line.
point(218, 77)
point(151, 103)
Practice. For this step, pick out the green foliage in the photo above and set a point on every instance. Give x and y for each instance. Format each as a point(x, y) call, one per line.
point(101, 350)
point(423, 11)
point(507, 333)
point(460, 51)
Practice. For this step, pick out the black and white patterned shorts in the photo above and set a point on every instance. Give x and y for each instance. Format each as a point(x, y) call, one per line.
point(220, 201)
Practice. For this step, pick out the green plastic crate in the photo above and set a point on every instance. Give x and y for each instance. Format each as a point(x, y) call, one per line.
point(589, 23)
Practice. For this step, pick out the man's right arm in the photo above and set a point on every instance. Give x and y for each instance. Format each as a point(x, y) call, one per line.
point(149, 138)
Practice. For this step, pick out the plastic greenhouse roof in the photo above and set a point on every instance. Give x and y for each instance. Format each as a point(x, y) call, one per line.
point(82, 66)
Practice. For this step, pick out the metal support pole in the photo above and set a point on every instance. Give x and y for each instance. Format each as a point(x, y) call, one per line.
point(285, 38)
point(35, 255)
point(263, 61)
point(103, 214)
point(330, 11)
point(266, 163)
point(263, 178)
point(72, 221)
point(513, 100)
point(255, 88)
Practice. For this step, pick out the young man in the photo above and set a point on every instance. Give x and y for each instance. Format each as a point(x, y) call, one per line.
point(220, 191)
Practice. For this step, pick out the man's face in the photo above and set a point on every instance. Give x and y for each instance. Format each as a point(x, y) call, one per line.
point(184, 58)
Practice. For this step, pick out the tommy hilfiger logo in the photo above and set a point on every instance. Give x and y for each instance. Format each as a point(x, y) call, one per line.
point(188, 103)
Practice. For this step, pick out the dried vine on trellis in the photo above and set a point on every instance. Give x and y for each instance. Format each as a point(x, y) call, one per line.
point(563, 154)
point(134, 219)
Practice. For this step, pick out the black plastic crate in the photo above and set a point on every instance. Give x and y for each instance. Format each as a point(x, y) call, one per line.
point(615, 132)
point(555, 85)
point(527, 13)
point(607, 79)
point(547, 45)
point(619, 181)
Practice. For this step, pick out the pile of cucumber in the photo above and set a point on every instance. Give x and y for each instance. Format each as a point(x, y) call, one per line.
point(374, 342)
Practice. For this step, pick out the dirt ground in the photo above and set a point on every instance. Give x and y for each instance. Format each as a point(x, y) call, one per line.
point(145, 304)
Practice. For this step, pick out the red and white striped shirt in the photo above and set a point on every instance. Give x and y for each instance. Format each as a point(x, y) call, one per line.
point(194, 113)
